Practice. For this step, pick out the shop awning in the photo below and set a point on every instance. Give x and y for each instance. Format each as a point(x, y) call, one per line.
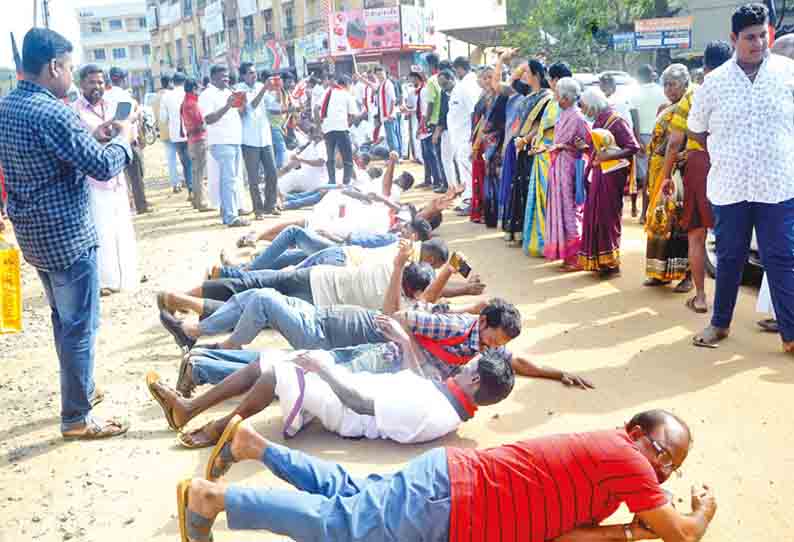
point(487, 36)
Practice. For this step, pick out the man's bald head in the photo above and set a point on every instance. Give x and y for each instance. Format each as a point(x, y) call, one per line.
point(663, 438)
point(784, 46)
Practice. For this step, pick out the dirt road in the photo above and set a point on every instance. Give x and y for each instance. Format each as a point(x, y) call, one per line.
point(632, 342)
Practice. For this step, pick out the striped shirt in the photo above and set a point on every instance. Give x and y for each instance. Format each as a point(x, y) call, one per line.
point(539, 489)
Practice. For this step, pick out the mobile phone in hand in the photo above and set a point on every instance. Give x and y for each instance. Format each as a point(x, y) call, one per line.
point(460, 265)
point(123, 111)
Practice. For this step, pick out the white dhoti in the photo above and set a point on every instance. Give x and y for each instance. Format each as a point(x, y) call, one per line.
point(448, 158)
point(116, 255)
point(318, 400)
point(764, 304)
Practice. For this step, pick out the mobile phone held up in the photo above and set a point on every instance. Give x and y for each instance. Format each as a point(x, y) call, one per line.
point(459, 263)
point(123, 111)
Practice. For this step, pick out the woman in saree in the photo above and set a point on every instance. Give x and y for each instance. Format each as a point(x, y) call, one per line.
point(667, 246)
point(489, 146)
point(613, 147)
point(535, 211)
point(563, 216)
point(525, 130)
point(477, 162)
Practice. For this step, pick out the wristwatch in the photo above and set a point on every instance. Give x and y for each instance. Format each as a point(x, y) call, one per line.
point(628, 532)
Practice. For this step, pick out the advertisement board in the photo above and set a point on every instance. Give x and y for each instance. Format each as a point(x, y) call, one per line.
point(355, 31)
point(414, 25)
point(347, 32)
point(383, 28)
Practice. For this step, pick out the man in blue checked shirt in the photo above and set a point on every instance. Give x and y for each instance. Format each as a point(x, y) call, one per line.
point(47, 155)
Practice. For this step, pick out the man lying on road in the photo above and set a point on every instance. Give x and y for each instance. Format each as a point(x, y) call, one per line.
point(314, 249)
point(555, 488)
point(401, 406)
point(497, 325)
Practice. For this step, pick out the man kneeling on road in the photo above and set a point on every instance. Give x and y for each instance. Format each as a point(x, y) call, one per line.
point(559, 487)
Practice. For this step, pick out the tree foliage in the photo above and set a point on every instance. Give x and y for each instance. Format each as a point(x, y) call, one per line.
point(578, 31)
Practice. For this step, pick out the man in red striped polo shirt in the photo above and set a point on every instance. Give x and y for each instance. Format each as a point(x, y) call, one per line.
point(559, 488)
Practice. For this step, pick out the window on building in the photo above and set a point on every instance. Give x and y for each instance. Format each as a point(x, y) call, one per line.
point(267, 15)
point(201, 4)
point(119, 53)
point(96, 27)
point(99, 54)
point(147, 50)
point(248, 30)
point(115, 24)
point(142, 22)
point(135, 52)
point(289, 18)
point(187, 8)
point(192, 54)
point(205, 44)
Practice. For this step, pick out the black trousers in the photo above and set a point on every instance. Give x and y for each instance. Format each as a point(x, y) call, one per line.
point(135, 176)
point(339, 140)
point(253, 157)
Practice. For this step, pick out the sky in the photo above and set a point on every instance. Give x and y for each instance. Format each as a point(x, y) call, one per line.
point(63, 19)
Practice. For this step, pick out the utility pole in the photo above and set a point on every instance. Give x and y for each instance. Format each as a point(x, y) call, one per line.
point(46, 10)
point(35, 13)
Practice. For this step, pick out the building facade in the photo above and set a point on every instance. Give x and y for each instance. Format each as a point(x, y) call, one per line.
point(191, 35)
point(117, 35)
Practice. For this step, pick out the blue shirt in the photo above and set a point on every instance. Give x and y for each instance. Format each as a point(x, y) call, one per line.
point(46, 155)
point(256, 122)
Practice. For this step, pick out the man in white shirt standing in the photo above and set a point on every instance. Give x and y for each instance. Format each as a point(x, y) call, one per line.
point(257, 145)
point(647, 101)
point(171, 113)
point(461, 108)
point(336, 111)
point(387, 108)
point(224, 133)
point(745, 109)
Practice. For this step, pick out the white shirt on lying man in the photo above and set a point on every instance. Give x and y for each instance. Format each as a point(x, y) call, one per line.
point(407, 407)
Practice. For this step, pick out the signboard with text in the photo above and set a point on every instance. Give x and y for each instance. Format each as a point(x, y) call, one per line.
point(383, 28)
point(667, 33)
point(623, 42)
point(354, 31)
point(246, 7)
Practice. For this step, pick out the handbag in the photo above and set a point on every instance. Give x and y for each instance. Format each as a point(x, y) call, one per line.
point(581, 189)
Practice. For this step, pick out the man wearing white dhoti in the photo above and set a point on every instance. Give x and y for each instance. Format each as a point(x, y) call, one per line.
point(110, 205)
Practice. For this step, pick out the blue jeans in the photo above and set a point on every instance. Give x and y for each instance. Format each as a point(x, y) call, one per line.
point(432, 168)
point(399, 128)
point(392, 135)
point(306, 242)
point(73, 295)
point(302, 324)
point(170, 155)
point(279, 147)
point(302, 199)
point(331, 505)
point(187, 163)
point(228, 159)
point(774, 228)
